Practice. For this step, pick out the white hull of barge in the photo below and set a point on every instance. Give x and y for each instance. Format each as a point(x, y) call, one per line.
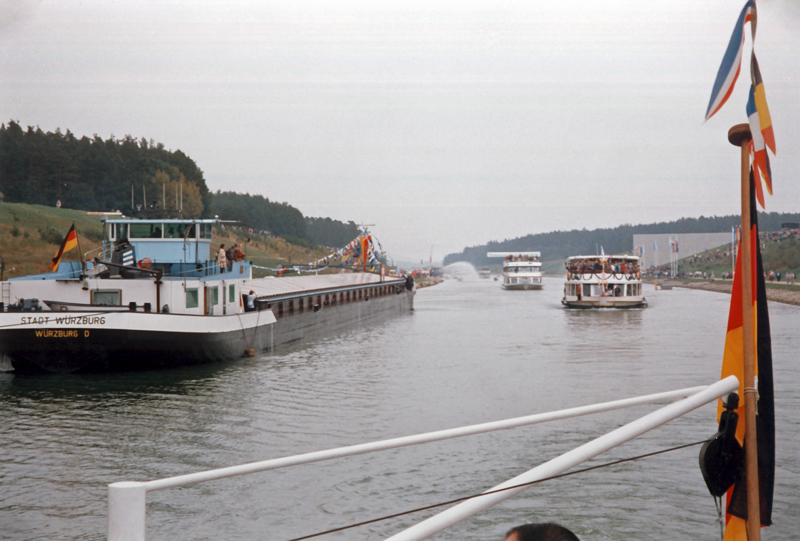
point(76, 336)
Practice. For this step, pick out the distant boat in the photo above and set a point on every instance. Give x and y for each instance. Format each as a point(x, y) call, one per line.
point(484, 272)
point(603, 282)
point(521, 270)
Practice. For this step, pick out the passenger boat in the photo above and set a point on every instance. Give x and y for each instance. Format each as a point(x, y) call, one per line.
point(603, 282)
point(152, 297)
point(485, 273)
point(521, 270)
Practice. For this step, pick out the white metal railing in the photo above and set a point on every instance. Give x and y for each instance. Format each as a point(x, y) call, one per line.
point(127, 500)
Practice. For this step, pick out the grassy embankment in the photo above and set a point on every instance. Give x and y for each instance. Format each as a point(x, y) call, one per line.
point(783, 257)
point(31, 234)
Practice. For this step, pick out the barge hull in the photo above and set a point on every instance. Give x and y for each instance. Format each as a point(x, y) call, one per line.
point(300, 329)
point(121, 341)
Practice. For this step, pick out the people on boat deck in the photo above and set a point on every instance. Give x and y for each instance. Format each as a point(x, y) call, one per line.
point(522, 258)
point(230, 255)
point(540, 532)
point(222, 259)
point(239, 253)
point(250, 301)
point(596, 265)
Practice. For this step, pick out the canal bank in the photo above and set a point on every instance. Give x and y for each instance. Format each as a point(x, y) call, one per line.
point(785, 294)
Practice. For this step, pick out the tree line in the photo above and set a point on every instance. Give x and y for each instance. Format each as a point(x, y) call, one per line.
point(132, 175)
point(260, 214)
point(558, 245)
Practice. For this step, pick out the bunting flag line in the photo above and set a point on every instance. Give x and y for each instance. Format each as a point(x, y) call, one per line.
point(361, 252)
point(70, 242)
point(733, 364)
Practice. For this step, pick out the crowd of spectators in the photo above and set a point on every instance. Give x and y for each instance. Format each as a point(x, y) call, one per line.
point(765, 237)
point(722, 254)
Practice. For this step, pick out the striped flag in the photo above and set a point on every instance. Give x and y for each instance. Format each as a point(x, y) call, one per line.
point(758, 150)
point(733, 364)
point(760, 98)
point(757, 110)
point(732, 60)
point(70, 242)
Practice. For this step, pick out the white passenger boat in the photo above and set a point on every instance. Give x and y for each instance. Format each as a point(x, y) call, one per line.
point(603, 282)
point(521, 270)
point(154, 298)
point(485, 273)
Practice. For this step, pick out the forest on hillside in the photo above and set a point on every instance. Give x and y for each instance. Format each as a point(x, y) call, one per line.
point(45, 168)
point(131, 175)
point(259, 213)
point(562, 244)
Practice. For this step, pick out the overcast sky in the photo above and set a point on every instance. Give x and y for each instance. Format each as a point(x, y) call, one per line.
point(445, 124)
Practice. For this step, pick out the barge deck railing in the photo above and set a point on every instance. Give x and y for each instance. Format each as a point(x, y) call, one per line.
point(127, 499)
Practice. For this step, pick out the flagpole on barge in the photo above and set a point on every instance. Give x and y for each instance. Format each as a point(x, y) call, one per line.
point(740, 136)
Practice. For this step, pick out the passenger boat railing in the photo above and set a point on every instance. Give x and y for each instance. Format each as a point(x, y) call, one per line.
point(127, 499)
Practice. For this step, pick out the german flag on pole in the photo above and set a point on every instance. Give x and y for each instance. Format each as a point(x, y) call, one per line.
point(70, 242)
point(733, 364)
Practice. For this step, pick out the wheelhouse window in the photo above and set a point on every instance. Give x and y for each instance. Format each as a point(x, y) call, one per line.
point(205, 231)
point(120, 232)
point(174, 231)
point(192, 298)
point(146, 231)
point(106, 297)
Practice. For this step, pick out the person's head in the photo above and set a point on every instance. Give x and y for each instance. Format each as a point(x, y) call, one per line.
point(540, 532)
point(222, 246)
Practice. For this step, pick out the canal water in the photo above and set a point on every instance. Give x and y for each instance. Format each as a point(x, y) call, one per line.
point(469, 353)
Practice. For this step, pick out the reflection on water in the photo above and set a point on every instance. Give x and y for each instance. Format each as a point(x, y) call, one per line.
point(470, 352)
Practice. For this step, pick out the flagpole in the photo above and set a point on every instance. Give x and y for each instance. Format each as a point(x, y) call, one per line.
point(80, 253)
point(740, 136)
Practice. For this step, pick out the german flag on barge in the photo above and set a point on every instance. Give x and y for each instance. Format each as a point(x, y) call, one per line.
point(70, 242)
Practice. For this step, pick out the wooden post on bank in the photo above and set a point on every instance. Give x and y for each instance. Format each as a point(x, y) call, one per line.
point(740, 136)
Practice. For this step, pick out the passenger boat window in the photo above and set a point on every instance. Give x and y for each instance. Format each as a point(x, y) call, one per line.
point(145, 231)
point(215, 295)
point(106, 297)
point(192, 299)
point(174, 231)
point(205, 231)
point(231, 292)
